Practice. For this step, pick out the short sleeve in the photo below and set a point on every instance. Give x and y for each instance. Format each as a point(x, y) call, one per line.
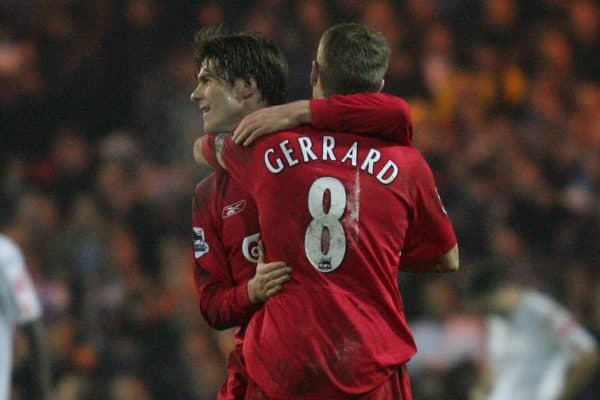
point(430, 232)
point(23, 302)
point(377, 115)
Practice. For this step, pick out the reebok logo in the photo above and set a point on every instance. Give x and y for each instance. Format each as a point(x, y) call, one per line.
point(233, 209)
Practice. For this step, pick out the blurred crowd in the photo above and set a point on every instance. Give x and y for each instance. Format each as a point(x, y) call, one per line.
point(96, 131)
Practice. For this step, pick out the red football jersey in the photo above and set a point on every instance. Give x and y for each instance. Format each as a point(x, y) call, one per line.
point(221, 274)
point(337, 208)
point(225, 246)
point(225, 240)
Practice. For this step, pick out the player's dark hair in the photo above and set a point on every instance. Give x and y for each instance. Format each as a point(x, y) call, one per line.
point(355, 59)
point(244, 56)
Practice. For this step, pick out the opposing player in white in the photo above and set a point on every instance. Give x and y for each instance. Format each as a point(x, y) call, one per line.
point(19, 305)
point(535, 348)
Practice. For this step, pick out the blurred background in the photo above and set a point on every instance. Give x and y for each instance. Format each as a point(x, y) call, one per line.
point(96, 129)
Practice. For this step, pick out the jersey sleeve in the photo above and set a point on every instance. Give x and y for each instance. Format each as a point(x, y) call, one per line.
point(430, 233)
point(23, 302)
point(223, 303)
point(378, 115)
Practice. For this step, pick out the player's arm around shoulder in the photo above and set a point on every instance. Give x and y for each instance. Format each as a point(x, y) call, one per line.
point(272, 119)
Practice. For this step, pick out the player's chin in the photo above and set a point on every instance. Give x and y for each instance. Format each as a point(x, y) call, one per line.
point(208, 127)
point(213, 126)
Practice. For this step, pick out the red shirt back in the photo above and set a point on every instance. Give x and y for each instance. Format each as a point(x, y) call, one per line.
point(337, 208)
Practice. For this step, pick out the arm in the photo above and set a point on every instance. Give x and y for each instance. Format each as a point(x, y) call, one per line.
point(483, 385)
point(222, 303)
point(225, 305)
point(580, 374)
point(374, 114)
point(430, 244)
point(208, 150)
point(447, 262)
point(205, 151)
point(39, 358)
point(578, 342)
point(572, 340)
point(27, 313)
point(269, 278)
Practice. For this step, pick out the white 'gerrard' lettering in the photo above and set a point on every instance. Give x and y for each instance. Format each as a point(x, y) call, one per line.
point(277, 162)
point(287, 153)
point(306, 148)
point(372, 157)
point(328, 145)
point(389, 165)
point(352, 154)
point(270, 167)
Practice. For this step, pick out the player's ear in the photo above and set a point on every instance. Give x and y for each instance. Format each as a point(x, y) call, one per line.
point(381, 85)
point(314, 73)
point(245, 88)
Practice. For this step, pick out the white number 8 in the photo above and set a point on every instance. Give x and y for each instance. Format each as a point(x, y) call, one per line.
point(329, 259)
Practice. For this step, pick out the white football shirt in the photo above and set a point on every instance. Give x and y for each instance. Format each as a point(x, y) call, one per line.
point(18, 304)
point(531, 350)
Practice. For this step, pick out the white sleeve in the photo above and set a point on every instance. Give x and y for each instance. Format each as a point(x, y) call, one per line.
point(571, 336)
point(24, 305)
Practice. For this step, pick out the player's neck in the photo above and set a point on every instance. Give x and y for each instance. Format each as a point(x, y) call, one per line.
point(254, 103)
point(508, 298)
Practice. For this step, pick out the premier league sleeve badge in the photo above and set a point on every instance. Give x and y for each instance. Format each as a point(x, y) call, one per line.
point(200, 244)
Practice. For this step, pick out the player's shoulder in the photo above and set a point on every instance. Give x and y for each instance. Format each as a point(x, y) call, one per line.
point(204, 191)
point(8, 248)
point(541, 303)
point(11, 257)
point(410, 158)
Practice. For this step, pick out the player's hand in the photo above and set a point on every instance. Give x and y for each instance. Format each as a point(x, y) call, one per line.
point(271, 119)
point(268, 280)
